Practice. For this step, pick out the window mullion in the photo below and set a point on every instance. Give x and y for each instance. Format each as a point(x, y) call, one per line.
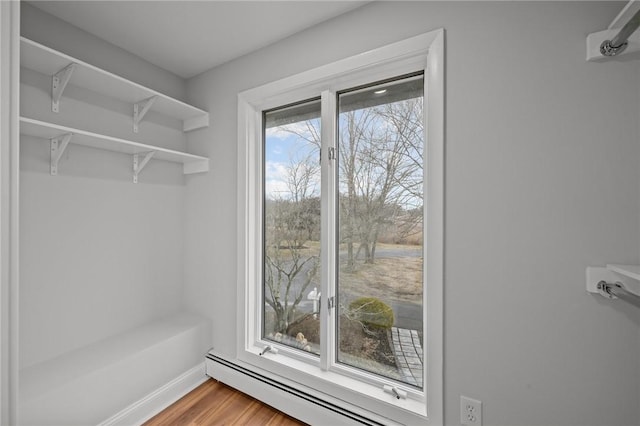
point(328, 227)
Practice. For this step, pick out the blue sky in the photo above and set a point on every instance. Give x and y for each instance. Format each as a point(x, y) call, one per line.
point(282, 148)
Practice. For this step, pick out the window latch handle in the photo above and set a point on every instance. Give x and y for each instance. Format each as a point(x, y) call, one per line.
point(332, 153)
point(331, 302)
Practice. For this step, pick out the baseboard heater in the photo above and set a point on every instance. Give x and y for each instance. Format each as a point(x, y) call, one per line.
point(291, 391)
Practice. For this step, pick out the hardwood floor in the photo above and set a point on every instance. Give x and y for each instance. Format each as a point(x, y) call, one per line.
point(214, 403)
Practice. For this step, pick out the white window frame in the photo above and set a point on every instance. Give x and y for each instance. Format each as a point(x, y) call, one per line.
point(360, 390)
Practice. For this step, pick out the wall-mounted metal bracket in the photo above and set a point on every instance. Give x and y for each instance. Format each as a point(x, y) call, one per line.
point(58, 146)
point(140, 109)
point(615, 281)
point(59, 82)
point(618, 291)
point(603, 289)
point(620, 38)
point(138, 164)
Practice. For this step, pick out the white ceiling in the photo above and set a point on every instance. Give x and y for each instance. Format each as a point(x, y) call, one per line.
point(189, 37)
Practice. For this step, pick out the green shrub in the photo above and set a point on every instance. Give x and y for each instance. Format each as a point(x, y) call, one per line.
point(372, 312)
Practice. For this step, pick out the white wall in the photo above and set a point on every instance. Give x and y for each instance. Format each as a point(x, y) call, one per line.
point(57, 34)
point(98, 253)
point(542, 180)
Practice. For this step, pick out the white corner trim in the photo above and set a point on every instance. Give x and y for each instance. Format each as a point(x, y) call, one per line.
point(433, 297)
point(153, 403)
point(9, 190)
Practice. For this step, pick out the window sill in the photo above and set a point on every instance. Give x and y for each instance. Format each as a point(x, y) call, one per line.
point(371, 400)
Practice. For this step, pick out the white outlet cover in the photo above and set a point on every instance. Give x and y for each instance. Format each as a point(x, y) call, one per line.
point(470, 411)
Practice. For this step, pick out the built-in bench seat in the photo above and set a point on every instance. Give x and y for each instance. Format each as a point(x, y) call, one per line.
point(91, 384)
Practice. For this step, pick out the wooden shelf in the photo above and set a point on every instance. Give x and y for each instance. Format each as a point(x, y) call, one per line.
point(45, 60)
point(40, 129)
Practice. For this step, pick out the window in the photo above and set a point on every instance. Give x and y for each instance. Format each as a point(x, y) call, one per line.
point(340, 257)
point(379, 244)
point(380, 218)
point(291, 226)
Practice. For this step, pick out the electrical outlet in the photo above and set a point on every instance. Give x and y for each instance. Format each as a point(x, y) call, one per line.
point(470, 411)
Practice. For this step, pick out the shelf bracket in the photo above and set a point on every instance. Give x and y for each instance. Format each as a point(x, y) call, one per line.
point(58, 146)
point(59, 82)
point(138, 164)
point(140, 109)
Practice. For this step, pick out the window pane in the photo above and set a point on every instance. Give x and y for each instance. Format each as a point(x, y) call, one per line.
point(380, 256)
point(291, 269)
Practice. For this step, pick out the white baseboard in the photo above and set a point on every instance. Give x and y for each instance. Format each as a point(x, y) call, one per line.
point(147, 407)
point(301, 402)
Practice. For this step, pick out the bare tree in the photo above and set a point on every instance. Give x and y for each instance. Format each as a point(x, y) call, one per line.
point(283, 266)
point(292, 218)
point(380, 168)
point(380, 173)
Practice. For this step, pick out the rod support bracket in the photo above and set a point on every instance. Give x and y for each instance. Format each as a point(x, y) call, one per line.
point(615, 282)
point(603, 289)
point(607, 49)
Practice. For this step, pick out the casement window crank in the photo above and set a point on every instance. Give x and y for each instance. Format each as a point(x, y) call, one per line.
point(399, 394)
point(268, 348)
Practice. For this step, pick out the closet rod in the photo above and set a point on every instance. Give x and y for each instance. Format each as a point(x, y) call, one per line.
point(617, 44)
point(620, 292)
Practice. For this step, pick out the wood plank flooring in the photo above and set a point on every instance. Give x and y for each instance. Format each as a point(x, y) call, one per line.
point(214, 403)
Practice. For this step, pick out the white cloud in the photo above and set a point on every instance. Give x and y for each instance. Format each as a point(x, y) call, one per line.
point(288, 130)
point(276, 180)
